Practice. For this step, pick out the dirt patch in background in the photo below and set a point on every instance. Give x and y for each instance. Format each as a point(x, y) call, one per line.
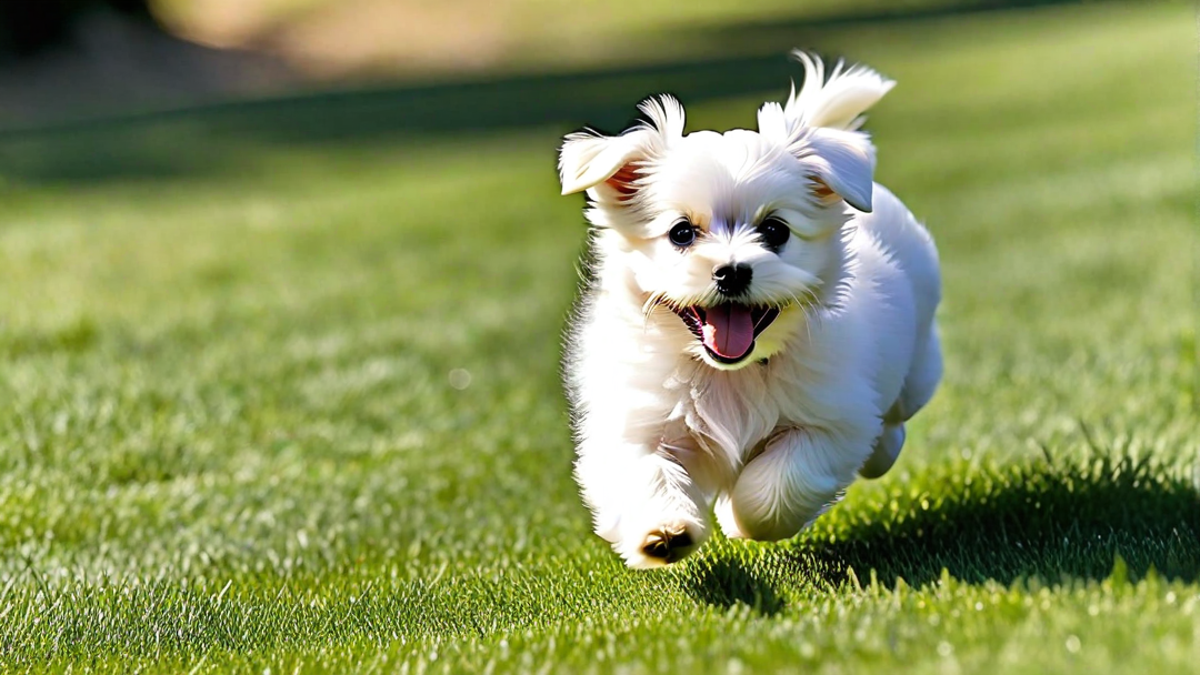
point(223, 49)
point(385, 36)
point(330, 40)
point(337, 39)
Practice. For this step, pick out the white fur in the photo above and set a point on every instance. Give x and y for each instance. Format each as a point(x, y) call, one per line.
point(665, 434)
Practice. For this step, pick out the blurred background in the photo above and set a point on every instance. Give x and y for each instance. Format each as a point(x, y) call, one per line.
point(71, 59)
point(310, 70)
point(66, 59)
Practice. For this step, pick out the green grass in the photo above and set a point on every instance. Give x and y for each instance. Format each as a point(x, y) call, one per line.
point(228, 439)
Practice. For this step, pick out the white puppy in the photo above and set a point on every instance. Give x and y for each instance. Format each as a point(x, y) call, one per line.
point(759, 321)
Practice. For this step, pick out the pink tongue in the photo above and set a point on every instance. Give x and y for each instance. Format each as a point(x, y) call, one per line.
point(729, 330)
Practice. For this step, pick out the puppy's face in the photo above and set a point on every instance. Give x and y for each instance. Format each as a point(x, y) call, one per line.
point(734, 233)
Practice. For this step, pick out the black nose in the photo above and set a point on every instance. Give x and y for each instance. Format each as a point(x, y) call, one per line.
point(733, 280)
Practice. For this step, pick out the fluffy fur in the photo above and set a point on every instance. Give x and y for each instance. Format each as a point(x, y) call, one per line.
point(669, 428)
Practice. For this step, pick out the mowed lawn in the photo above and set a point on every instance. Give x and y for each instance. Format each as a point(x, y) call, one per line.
point(293, 406)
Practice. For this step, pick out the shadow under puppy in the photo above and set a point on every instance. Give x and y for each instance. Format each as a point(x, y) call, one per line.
point(759, 322)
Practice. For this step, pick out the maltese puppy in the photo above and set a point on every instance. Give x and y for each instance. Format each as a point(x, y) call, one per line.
point(758, 323)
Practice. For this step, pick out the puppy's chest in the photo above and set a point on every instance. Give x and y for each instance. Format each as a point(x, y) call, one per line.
point(730, 413)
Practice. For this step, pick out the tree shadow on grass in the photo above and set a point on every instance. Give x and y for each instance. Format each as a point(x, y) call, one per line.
point(1044, 520)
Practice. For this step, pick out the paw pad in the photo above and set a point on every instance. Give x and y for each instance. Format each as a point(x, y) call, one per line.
point(667, 546)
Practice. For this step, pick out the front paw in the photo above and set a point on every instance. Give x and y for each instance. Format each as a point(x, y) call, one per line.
point(667, 546)
point(668, 541)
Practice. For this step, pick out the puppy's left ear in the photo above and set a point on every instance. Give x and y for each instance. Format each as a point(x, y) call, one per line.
point(841, 164)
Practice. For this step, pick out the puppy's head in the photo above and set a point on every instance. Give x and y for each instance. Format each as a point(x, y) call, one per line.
point(734, 232)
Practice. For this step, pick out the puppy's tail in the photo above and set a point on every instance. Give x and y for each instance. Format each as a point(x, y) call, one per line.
point(838, 101)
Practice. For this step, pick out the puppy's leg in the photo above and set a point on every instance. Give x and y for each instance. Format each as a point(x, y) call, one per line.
point(919, 385)
point(924, 375)
point(668, 521)
point(799, 474)
point(645, 504)
point(883, 455)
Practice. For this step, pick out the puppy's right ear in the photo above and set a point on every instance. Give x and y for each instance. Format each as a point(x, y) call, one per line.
point(615, 165)
point(587, 160)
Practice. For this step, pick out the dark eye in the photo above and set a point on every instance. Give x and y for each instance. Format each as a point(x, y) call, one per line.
point(774, 233)
point(682, 234)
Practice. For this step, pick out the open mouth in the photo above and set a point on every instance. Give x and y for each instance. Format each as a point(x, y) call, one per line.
point(728, 330)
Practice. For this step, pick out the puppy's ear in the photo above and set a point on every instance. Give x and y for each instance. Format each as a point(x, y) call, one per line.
point(587, 160)
point(841, 164)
